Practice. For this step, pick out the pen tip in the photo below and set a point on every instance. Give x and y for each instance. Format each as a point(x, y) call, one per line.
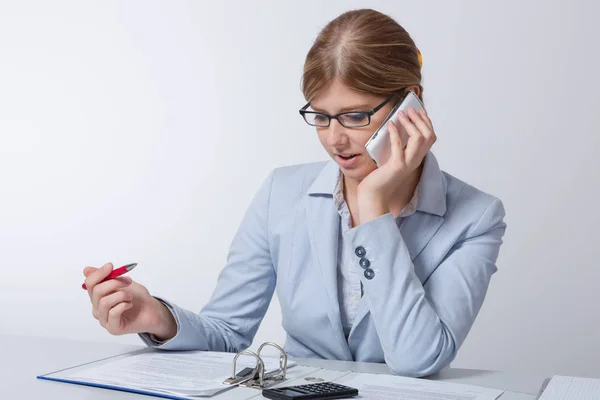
point(131, 266)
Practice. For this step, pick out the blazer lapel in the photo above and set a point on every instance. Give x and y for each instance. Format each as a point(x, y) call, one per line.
point(417, 231)
point(323, 227)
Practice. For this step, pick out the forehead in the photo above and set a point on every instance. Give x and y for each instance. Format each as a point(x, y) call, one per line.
point(339, 97)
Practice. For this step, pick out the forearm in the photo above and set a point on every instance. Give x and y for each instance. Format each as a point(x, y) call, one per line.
point(187, 330)
point(414, 339)
point(370, 208)
point(412, 335)
point(229, 321)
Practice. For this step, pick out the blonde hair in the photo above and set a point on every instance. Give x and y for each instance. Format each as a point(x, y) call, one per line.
point(366, 50)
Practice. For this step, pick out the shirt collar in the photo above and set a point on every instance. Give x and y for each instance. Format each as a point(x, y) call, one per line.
point(431, 187)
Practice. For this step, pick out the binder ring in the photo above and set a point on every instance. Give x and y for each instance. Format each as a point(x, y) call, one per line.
point(257, 377)
point(278, 375)
point(259, 370)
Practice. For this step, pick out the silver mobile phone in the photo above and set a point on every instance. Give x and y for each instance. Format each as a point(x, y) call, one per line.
point(379, 146)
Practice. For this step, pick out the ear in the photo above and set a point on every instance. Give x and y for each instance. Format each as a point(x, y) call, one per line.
point(415, 89)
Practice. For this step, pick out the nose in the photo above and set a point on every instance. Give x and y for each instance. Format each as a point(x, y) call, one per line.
point(336, 134)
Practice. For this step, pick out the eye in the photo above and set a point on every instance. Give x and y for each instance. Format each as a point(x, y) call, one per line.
point(356, 118)
point(319, 119)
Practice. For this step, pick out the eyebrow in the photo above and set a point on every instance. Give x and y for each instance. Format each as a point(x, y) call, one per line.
point(359, 107)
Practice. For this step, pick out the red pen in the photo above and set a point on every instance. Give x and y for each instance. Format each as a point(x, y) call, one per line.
point(116, 272)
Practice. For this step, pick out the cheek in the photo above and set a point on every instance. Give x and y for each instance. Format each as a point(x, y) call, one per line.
point(322, 134)
point(358, 137)
point(362, 136)
point(378, 118)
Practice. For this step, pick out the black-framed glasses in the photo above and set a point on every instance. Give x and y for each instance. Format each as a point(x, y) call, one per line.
point(350, 119)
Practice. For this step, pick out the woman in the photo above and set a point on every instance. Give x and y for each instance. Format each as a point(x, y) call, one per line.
point(387, 264)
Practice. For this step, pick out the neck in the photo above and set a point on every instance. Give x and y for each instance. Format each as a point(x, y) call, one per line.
point(350, 188)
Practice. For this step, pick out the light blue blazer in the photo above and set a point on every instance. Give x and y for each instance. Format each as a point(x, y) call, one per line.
point(430, 280)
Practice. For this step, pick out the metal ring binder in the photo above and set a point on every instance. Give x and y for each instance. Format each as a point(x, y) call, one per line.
point(257, 377)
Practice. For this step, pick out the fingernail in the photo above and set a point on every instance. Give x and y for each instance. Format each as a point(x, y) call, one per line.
point(423, 111)
point(402, 113)
point(127, 279)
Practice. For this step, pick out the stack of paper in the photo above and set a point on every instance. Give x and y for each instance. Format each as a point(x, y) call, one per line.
point(185, 374)
point(389, 387)
point(571, 388)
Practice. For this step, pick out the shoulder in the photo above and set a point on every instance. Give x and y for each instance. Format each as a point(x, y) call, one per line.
point(288, 185)
point(475, 209)
point(299, 173)
point(295, 180)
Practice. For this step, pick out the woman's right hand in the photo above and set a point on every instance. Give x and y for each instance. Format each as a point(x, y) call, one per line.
point(123, 306)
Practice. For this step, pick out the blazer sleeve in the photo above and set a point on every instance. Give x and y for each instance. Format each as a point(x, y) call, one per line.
point(422, 326)
point(229, 321)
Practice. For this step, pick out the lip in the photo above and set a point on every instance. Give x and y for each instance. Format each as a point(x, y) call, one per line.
point(347, 163)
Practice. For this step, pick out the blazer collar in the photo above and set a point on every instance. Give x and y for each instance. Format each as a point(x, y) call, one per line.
point(432, 185)
point(325, 182)
point(432, 188)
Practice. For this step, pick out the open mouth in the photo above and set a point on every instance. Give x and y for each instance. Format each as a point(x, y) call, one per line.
point(347, 160)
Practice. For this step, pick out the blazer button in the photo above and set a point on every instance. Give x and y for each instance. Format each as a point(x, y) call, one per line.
point(369, 273)
point(364, 263)
point(360, 251)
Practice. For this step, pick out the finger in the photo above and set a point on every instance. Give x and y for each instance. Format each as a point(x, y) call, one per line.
point(88, 271)
point(97, 276)
point(113, 324)
point(425, 117)
point(104, 289)
point(415, 140)
point(421, 125)
point(426, 127)
point(110, 301)
point(397, 146)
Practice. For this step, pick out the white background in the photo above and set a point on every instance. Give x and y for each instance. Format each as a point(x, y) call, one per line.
point(140, 130)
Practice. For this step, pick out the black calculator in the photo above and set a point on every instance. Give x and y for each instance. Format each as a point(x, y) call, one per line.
point(322, 390)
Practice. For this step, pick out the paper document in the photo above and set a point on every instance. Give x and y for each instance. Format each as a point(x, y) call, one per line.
point(571, 388)
point(190, 373)
point(390, 387)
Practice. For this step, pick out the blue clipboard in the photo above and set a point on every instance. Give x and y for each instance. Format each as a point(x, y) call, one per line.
point(49, 377)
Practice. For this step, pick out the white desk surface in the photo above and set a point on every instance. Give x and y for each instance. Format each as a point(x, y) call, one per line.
point(23, 358)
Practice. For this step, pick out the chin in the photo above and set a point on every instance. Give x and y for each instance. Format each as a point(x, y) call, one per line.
point(358, 172)
point(354, 175)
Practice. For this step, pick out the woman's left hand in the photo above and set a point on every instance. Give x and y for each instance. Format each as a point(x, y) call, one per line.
point(376, 189)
